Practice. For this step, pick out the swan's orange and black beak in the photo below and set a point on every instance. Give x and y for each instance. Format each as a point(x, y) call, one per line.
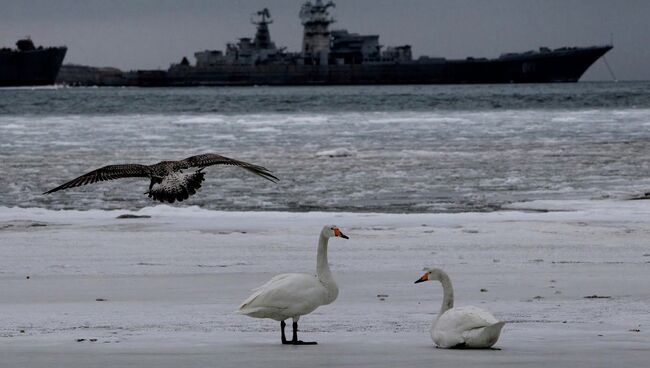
point(337, 232)
point(424, 278)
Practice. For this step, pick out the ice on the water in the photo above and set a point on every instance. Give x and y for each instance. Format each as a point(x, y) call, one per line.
point(468, 160)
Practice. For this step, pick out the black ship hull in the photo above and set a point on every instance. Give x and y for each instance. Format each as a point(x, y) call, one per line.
point(36, 67)
point(561, 65)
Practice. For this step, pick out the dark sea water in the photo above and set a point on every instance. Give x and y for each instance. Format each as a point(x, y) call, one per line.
point(395, 148)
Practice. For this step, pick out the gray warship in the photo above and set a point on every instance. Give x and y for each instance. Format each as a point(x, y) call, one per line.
point(339, 57)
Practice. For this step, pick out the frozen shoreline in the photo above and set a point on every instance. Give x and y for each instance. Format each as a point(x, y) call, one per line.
point(171, 283)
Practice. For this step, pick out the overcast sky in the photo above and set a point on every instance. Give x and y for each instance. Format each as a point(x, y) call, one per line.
point(136, 34)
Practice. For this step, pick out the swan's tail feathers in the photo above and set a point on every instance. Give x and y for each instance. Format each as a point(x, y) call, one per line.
point(480, 338)
point(495, 328)
point(252, 308)
point(248, 310)
point(245, 307)
point(490, 334)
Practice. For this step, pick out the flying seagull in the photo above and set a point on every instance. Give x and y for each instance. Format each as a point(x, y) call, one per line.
point(173, 183)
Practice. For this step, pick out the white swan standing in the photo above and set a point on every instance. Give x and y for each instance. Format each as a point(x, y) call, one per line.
point(461, 327)
point(292, 295)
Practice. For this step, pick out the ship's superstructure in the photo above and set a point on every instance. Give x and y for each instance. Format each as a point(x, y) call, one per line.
point(320, 45)
point(259, 50)
point(316, 34)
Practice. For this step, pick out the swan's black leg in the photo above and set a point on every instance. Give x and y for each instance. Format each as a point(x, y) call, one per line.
point(284, 339)
point(295, 340)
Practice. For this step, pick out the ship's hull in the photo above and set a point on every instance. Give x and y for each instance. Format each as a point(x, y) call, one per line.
point(30, 68)
point(564, 65)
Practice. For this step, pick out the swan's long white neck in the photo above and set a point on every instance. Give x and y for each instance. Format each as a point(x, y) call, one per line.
point(448, 292)
point(323, 271)
point(322, 266)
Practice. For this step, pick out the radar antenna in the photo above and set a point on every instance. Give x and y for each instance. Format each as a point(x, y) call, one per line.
point(261, 17)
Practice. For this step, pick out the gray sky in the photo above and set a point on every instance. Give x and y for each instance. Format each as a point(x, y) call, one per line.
point(154, 33)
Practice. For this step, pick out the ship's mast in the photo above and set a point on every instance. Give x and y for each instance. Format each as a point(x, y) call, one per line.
point(262, 36)
point(316, 37)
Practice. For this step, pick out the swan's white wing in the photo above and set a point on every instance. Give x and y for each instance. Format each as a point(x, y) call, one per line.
point(457, 325)
point(285, 296)
point(273, 280)
point(465, 318)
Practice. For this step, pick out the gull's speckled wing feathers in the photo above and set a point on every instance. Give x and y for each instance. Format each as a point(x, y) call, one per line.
point(176, 186)
point(210, 159)
point(109, 172)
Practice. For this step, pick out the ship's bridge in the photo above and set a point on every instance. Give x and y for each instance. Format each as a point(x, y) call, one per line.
point(258, 50)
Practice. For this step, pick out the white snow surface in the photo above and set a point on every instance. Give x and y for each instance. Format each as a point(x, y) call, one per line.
point(162, 291)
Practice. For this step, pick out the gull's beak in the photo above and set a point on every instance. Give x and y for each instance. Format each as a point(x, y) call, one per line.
point(424, 278)
point(338, 233)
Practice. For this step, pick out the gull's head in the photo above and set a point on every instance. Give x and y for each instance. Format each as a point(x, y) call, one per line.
point(429, 274)
point(333, 231)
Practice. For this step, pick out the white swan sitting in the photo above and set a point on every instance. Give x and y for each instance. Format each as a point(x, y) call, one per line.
point(461, 327)
point(292, 295)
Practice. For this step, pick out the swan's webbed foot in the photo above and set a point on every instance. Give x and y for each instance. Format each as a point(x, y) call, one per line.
point(294, 340)
point(299, 342)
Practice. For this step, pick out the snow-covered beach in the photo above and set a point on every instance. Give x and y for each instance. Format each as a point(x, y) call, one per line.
point(84, 288)
point(517, 191)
